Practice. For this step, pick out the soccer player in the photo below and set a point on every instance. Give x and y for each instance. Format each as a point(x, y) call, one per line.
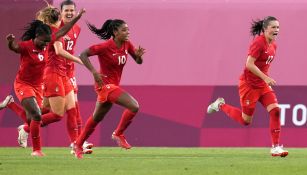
point(58, 91)
point(28, 82)
point(50, 16)
point(255, 83)
point(112, 56)
point(68, 12)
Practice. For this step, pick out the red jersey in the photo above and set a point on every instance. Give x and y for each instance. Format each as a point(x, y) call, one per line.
point(70, 40)
point(33, 61)
point(55, 63)
point(112, 59)
point(264, 54)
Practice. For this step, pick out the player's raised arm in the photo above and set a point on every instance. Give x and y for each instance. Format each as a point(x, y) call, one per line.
point(63, 30)
point(11, 43)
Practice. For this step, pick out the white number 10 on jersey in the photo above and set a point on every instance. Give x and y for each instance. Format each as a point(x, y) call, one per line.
point(122, 59)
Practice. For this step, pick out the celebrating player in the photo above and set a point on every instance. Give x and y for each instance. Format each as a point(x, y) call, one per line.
point(112, 56)
point(68, 12)
point(50, 16)
point(28, 82)
point(255, 83)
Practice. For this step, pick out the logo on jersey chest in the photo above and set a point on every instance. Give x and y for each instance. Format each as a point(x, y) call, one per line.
point(247, 102)
point(66, 38)
point(57, 89)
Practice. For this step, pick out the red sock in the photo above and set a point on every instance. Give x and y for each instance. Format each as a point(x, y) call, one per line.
point(89, 128)
point(234, 113)
point(275, 125)
point(18, 110)
point(71, 124)
point(45, 110)
point(50, 118)
point(35, 134)
point(79, 119)
point(125, 121)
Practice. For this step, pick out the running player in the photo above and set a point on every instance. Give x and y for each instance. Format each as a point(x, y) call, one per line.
point(112, 56)
point(255, 83)
point(68, 12)
point(49, 15)
point(28, 82)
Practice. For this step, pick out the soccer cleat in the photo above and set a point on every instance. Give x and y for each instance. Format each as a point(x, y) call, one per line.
point(78, 152)
point(87, 148)
point(9, 99)
point(22, 137)
point(84, 148)
point(215, 106)
point(87, 151)
point(87, 145)
point(121, 141)
point(72, 148)
point(278, 151)
point(37, 153)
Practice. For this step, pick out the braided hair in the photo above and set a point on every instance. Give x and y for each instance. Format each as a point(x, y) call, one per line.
point(107, 29)
point(258, 26)
point(35, 28)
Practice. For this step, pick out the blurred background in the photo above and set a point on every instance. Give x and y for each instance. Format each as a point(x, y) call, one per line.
point(195, 52)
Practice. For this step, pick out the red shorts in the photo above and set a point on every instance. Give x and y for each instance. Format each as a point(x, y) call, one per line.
point(108, 92)
point(250, 96)
point(73, 82)
point(56, 85)
point(23, 90)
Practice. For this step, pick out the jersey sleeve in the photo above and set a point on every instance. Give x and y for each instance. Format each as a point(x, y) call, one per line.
point(53, 35)
point(131, 48)
point(255, 49)
point(97, 49)
point(22, 47)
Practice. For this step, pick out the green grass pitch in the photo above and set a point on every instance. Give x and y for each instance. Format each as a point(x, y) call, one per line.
point(147, 161)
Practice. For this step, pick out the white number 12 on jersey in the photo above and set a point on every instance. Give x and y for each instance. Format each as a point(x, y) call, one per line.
point(69, 45)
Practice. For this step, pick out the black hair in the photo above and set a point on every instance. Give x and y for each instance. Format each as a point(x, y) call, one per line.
point(67, 2)
point(35, 28)
point(107, 29)
point(258, 26)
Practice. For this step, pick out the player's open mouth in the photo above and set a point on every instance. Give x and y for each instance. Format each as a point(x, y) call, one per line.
point(69, 16)
point(275, 34)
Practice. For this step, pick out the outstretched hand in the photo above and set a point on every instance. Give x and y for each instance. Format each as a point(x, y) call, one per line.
point(81, 12)
point(139, 52)
point(10, 37)
point(270, 81)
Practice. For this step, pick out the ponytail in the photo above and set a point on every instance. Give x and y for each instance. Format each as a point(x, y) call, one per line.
point(258, 26)
point(107, 29)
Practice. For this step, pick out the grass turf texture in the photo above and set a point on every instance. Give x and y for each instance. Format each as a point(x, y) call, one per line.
point(147, 161)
